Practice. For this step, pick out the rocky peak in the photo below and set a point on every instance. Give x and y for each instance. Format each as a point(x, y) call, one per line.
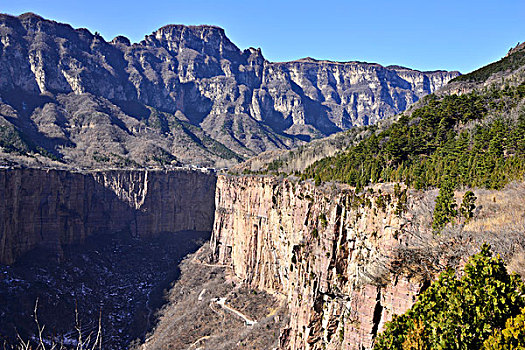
point(121, 40)
point(32, 22)
point(205, 39)
point(518, 47)
point(238, 102)
point(29, 16)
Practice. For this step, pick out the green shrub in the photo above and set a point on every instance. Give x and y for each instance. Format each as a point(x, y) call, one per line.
point(458, 312)
point(510, 338)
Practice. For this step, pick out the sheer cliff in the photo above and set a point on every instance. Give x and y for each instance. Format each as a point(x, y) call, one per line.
point(183, 94)
point(53, 208)
point(346, 262)
point(329, 252)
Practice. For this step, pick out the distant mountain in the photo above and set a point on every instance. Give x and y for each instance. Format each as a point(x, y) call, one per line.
point(185, 94)
point(500, 85)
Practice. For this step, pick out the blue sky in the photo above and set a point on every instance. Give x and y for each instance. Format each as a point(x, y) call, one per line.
point(426, 35)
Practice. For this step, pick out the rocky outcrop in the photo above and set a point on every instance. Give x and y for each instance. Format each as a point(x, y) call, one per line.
point(51, 208)
point(183, 94)
point(329, 251)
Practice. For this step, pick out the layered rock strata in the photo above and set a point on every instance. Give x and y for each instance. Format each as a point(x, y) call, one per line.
point(330, 252)
point(51, 208)
point(184, 93)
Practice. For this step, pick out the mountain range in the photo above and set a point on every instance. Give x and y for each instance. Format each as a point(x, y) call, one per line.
point(183, 95)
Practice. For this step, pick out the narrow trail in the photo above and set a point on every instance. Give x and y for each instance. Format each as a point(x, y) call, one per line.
point(198, 341)
point(222, 303)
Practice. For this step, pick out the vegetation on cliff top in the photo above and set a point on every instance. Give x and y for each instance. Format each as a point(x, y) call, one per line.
point(467, 312)
point(476, 140)
point(511, 62)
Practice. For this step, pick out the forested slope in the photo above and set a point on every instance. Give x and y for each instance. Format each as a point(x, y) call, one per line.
point(477, 139)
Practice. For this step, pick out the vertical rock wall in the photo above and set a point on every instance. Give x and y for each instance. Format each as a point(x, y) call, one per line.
point(329, 251)
point(51, 208)
point(55, 78)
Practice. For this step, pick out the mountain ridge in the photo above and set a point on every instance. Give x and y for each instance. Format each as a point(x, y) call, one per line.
point(183, 95)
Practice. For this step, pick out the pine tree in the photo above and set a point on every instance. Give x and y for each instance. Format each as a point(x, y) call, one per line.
point(468, 205)
point(445, 209)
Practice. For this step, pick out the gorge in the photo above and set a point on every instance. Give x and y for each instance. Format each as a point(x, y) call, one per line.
point(127, 206)
point(336, 264)
point(319, 248)
point(326, 251)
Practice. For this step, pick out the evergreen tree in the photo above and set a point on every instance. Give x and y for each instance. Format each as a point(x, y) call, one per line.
point(468, 205)
point(445, 209)
point(460, 313)
point(451, 136)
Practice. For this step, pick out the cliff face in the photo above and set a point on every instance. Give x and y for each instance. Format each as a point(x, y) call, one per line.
point(53, 208)
point(330, 252)
point(184, 93)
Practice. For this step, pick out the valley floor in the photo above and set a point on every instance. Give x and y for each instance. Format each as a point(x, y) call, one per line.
point(123, 278)
point(210, 309)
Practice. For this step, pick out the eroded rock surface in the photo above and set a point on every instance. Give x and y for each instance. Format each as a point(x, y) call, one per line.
point(330, 252)
point(183, 94)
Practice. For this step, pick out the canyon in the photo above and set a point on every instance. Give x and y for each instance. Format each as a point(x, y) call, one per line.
point(120, 200)
point(72, 103)
point(314, 267)
point(324, 252)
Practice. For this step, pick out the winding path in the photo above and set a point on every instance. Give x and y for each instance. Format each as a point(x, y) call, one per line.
point(222, 303)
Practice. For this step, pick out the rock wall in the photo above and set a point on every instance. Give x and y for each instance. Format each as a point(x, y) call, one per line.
point(51, 208)
point(180, 84)
point(330, 252)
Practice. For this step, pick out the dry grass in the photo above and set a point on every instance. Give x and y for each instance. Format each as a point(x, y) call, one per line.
point(193, 320)
point(499, 220)
point(500, 211)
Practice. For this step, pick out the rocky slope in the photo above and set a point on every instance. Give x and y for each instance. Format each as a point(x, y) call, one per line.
point(347, 262)
point(508, 71)
point(53, 208)
point(299, 158)
point(183, 94)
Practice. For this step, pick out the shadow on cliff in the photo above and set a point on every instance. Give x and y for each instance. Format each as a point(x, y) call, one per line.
point(125, 278)
point(51, 209)
point(109, 241)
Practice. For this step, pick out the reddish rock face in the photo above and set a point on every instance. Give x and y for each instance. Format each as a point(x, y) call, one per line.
point(328, 251)
point(52, 208)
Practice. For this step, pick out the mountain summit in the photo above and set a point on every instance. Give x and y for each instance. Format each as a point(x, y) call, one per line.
point(185, 94)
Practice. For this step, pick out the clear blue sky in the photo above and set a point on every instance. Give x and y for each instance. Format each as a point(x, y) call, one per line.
point(434, 34)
